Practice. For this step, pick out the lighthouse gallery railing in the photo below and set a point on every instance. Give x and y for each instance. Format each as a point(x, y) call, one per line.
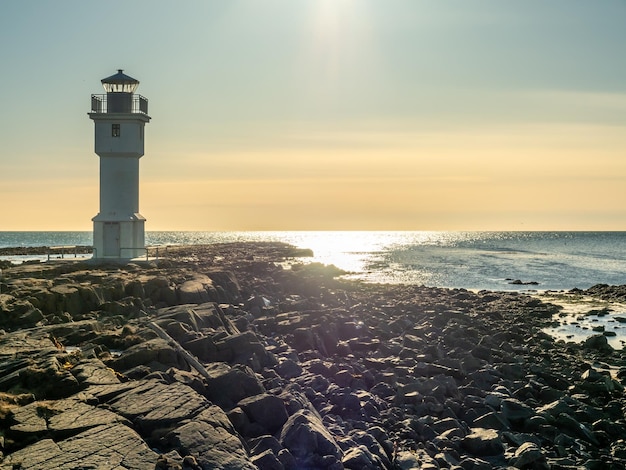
point(139, 104)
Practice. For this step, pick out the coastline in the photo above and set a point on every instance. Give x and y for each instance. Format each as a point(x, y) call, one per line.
point(301, 369)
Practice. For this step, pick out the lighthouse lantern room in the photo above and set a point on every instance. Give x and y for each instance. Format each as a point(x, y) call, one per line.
point(119, 116)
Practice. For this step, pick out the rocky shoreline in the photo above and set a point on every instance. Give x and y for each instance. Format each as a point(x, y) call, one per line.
point(225, 357)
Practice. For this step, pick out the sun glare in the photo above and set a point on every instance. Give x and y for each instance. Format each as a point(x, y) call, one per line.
point(334, 25)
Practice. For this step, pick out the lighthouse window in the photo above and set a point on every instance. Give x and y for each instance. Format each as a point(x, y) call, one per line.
point(115, 130)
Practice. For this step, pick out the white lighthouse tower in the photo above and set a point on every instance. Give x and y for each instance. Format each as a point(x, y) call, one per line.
point(120, 116)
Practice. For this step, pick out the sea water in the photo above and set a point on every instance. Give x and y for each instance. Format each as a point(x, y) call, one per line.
point(533, 262)
point(473, 260)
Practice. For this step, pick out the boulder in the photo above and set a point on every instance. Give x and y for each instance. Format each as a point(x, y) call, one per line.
point(414, 460)
point(227, 286)
point(197, 290)
point(267, 461)
point(515, 411)
point(17, 313)
point(574, 428)
point(375, 440)
point(483, 442)
point(229, 385)
point(154, 351)
point(261, 444)
point(288, 369)
point(599, 343)
point(528, 453)
point(594, 382)
point(68, 299)
point(198, 317)
point(267, 410)
point(307, 438)
point(242, 348)
point(211, 439)
point(360, 458)
point(203, 348)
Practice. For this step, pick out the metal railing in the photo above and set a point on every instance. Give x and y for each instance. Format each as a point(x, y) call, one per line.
point(65, 250)
point(138, 104)
point(147, 249)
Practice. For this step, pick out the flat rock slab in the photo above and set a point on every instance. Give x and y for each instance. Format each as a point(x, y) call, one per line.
point(153, 404)
point(94, 372)
point(63, 417)
point(25, 344)
point(114, 447)
point(105, 393)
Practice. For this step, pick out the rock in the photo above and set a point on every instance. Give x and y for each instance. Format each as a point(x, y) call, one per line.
point(307, 438)
point(49, 379)
point(211, 439)
point(106, 446)
point(60, 418)
point(414, 460)
point(158, 289)
point(241, 348)
point(68, 299)
point(360, 458)
point(599, 343)
point(267, 461)
point(267, 410)
point(492, 420)
point(288, 369)
point(515, 411)
point(229, 385)
point(343, 378)
point(203, 348)
point(483, 442)
point(94, 372)
point(227, 286)
point(375, 440)
point(261, 444)
point(594, 382)
point(526, 454)
point(156, 352)
point(573, 427)
point(197, 290)
point(372, 376)
point(413, 342)
point(154, 405)
point(17, 313)
point(288, 461)
point(446, 424)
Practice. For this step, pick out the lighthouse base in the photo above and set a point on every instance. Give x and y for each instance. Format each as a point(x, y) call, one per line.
point(119, 239)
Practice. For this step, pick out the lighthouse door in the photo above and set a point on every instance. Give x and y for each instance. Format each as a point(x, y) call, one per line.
point(111, 239)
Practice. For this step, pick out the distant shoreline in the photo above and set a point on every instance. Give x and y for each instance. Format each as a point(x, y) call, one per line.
point(44, 250)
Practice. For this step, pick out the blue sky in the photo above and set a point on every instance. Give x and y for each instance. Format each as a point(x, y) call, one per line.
point(324, 114)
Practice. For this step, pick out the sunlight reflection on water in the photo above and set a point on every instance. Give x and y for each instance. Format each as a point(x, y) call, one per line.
point(471, 260)
point(584, 316)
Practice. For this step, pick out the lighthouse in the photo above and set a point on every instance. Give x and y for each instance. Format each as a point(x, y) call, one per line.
point(120, 117)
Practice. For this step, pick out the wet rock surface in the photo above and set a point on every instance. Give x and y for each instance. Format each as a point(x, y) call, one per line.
point(273, 367)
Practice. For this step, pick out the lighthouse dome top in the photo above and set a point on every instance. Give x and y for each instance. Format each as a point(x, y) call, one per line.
point(120, 83)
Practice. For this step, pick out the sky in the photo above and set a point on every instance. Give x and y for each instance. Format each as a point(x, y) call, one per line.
point(323, 114)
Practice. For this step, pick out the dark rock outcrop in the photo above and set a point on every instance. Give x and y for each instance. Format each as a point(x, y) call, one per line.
point(310, 372)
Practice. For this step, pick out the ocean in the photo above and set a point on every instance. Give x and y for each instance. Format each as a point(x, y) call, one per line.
point(502, 261)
